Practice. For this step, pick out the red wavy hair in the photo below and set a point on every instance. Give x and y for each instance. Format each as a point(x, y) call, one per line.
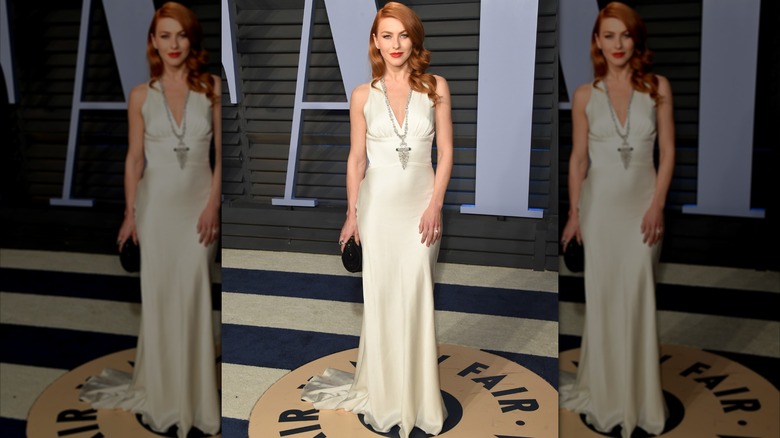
point(641, 79)
point(420, 58)
point(201, 82)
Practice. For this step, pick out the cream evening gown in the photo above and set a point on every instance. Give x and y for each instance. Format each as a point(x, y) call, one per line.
point(618, 378)
point(175, 379)
point(396, 381)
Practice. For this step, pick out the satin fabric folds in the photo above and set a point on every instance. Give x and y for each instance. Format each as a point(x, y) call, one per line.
point(175, 379)
point(396, 381)
point(618, 379)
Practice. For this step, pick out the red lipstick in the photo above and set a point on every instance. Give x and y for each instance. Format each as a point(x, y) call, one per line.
point(396, 54)
point(618, 54)
point(174, 54)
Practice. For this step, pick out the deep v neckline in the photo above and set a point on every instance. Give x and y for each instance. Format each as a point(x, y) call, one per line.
point(386, 97)
point(395, 116)
point(179, 124)
point(612, 107)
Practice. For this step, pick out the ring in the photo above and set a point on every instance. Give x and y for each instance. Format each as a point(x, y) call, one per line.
point(341, 242)
point(436, 231)
point(213, 230)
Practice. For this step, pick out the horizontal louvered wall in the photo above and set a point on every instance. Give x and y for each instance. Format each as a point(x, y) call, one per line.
point(45, 44)
point(257, 136)
point(674, 35)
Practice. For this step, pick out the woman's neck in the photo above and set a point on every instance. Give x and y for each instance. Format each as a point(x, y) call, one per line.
point(397, 74)
point(174, 74)
point(618, 74)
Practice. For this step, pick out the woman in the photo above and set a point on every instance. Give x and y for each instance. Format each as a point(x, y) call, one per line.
point(617, 200)
point(394, 211)
point(172, 210)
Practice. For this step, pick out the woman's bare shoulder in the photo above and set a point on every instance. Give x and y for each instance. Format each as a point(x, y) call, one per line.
point(664, 87)
point(442, 87)
point(584, 90)
point(360, 93)
point(138, 94)
point(217, 83)
point(140, 89)
point(582, 95)
point(361, 89)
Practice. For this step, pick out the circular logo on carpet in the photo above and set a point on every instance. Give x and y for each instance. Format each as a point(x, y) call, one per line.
point(485, 395)
point(706, 394)
point(58, 411)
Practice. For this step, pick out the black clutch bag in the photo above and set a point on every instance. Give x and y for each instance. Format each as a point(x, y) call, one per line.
point(352, 257)
point(574, 256)
point(130, 256)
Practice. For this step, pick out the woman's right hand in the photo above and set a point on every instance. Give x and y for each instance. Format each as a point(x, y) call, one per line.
point(348, 230)
point(571, 231)
point(127, 231)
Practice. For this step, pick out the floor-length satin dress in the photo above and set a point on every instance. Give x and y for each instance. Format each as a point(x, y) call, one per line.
point(618, 378)
point(397, 377)
point(175, 379)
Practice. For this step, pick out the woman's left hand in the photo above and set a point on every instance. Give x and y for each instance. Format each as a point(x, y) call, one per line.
point(653, 225)
point(430, 226)
point(208, 225)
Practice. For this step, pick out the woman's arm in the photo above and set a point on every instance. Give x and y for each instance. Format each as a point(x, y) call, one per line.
point(653, 221)
point(134, 162)
point(209, 221)
point(356, 162)
point(578, 162)
point(430, 223)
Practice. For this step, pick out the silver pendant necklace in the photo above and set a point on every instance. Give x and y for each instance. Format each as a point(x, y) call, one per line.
point(625, 150)
point(181, 149)
point(402, 149)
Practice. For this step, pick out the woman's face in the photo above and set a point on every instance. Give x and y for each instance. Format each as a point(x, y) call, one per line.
point(615, 42)
point(393, 42)
point(171, 42)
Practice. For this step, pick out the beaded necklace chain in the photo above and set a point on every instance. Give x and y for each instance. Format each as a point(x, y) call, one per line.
point(625, 150)
point(181, 149)
point(402, 149)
